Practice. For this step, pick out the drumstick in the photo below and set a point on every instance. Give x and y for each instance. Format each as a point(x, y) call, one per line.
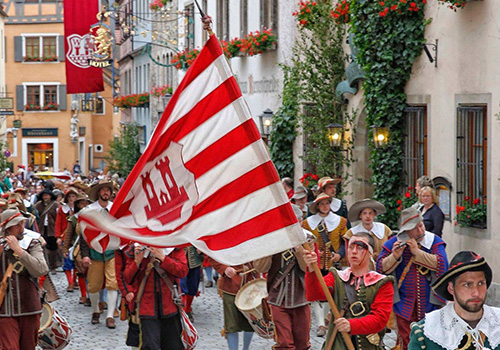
point(248, 271)
point(331, 302)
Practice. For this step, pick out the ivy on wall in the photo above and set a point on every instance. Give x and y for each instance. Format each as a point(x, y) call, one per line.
point(319, 62)
point(389, 41)
point(284, 129)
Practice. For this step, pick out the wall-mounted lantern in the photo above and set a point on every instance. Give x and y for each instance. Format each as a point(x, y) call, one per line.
point(335, 134)
point(380, 136)
point(266, 122)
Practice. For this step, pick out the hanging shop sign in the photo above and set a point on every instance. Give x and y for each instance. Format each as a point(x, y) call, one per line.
point(103, 43)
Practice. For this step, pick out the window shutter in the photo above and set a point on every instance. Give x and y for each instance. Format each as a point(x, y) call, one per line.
point(62, 52)
point(19, 97)
point(18, 48)
point(62, 98)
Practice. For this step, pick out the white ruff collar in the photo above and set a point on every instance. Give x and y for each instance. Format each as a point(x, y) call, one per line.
point(445, 328)
point(332, 221)
point(428, 240)
point(335, 204)
point(378, 229)
point(65, 208)
point(28, 236)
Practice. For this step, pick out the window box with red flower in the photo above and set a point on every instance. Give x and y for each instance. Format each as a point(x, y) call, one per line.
point(49, 59)
point(255, 43)
point(160, 91)
point(454, 4)
point(157, 5)
point(31, 59)
point(51, 106)
point(472, 213)
point(185, 58)
point(134, 100)
point(32, 107)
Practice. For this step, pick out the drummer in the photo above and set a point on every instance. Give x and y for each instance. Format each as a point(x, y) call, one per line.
point(22, 257)
point(234, 321)
point(287, 298)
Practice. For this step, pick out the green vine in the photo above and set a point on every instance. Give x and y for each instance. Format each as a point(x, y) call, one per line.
point(284, 129)
point(389, 41)
point(319, 61)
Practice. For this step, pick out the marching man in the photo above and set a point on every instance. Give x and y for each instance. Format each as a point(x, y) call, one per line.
point(21, 263)
point(417, 258)
point(364, 296)
point(466, 323)
point(101, 266)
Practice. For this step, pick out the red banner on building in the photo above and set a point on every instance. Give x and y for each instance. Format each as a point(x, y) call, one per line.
point(80, 76)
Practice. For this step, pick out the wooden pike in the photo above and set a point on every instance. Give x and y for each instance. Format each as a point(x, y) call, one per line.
point(207, 21)
point(331, 302)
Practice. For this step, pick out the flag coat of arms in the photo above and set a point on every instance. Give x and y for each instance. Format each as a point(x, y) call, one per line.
point(205, 178)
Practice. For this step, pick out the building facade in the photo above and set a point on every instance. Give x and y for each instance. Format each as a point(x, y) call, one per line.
point(451, 119)
point(49, 130)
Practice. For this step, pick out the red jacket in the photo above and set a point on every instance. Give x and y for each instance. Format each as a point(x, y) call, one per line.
point(156, 301)
point(381, 308)
point(121, 256)
point(62, 221)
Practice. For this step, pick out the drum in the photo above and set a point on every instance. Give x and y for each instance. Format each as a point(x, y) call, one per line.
point(54, 332)
point(249, 301)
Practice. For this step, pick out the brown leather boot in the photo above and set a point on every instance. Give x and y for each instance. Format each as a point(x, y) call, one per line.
point(110, 323)
point(95, 318)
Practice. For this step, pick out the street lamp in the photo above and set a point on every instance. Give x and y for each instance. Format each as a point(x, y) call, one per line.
point(335, 133)
point(266, 123)
point(380, 136)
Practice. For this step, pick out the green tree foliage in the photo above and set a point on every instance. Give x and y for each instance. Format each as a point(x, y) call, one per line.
point(124, 151)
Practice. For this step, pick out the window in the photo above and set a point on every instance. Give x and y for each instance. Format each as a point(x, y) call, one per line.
point(42, 97)
point(243, 18)
point(189, 13)
point(33, 97)
point(415, 144)
point(40, 49)
point(471, 156)
point(269, 15)
point(49, 46)
point(32, 47)
point(99, 105)
point(50, 94)
point(223, 19)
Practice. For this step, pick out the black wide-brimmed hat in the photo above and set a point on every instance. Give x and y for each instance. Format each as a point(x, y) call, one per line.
point(463, 261)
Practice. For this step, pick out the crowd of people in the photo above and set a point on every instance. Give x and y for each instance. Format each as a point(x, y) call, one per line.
point(379, 280)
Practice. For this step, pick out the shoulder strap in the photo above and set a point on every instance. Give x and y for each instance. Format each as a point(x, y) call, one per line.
point(290, 261)
point(142, 286)
point(48, 208)
point(324, 234)
point(173, 291)
point(350, 293)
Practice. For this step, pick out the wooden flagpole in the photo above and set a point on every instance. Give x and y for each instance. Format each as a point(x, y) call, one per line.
point(331, 302)
point(207, 20)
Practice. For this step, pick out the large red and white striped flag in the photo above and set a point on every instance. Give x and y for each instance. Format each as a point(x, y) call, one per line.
point(205, 178)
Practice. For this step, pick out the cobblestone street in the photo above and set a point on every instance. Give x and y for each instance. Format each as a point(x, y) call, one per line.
point(207, 310)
